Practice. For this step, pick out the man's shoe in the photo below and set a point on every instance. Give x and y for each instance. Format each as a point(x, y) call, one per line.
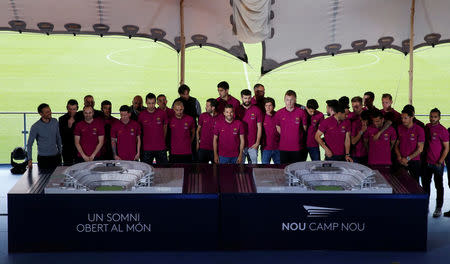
point(447, 214)
point(437, 212)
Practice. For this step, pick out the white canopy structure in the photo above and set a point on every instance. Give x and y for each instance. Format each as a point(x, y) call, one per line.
point(290, 30)
point(205, 22)
point(310, 28)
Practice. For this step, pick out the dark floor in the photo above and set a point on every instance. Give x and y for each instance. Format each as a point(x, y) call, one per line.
point(438, 247)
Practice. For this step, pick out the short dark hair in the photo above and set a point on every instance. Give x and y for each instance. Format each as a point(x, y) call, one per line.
point(338, 108)
point(125, 108)
point(375, 114)
point(212, 102)
point(312, 104)
point(105, 102)
point(332, 102)
point(269, 100)
point(150, 96)
point(290, 93)
point(41, 107)
point(370, 94)
point(386, 95)
point(161, 95)
point(408, 111)
point(183, 88)
point(72, 102)
point(224, 85)
point(435, 110)
point(257, 85)
point(246, 92)
point(228, 106)
point(344, 101)
point(357, 99)
point(409, 107)
point(365, 115)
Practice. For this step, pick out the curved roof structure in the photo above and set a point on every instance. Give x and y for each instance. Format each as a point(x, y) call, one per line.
point(310, 28)
point(206, 23)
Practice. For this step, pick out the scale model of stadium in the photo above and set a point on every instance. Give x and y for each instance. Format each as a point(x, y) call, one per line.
point(334, 176)
point(109, 175)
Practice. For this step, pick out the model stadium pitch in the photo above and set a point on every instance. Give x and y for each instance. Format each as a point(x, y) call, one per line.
point(328, 188)
point(36, 68)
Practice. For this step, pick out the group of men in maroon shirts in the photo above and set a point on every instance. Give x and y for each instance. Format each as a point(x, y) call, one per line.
point(230, 131)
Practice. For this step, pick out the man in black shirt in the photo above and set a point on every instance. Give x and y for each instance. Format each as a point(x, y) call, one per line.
point(136, 107)
point(89, 101)
point(66, 126)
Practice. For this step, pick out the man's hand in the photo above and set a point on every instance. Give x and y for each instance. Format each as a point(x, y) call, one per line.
point(348, 158)
point(30, 164)
point(364, 127)
point(377, 136)
point(91, 158)
point(198, 145)
point(255, 146)
point(138, 155)
point(328, 153)
point(216, 159)
point(404, 162)
point(85, 158)
point(117, 157)
point(239, 159)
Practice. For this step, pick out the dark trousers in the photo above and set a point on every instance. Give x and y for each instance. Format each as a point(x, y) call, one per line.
point(360, 160)
point(159, 155)
point(314, 153)
point(336, 158)
point(49, 162)
point(205, 156)
point(414, 169)
point(68, 154)
point(180, 158)
point(289, 156)
point(438, 172)
point(303, 154)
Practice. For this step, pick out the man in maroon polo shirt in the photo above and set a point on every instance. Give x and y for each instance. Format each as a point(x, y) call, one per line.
point(395, 117)
point(205, 131)
point(225, 98)
point(291, 123)
point(411, 138)
point(108, 121)
point(437, 149)
point(182, 129)
point(153, 123)
point(89, 136)
point(359, 128)
point(161, 100)
point(379, 150)
point(357, 108)
point(126, 136)
point(336, 132)
point(315, 118)
point(229, 139)
point(251, 117)
point(258, 98)
point(271, 138)
point(369, 98)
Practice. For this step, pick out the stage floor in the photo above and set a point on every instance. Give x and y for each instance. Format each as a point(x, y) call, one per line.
point(438, 246)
